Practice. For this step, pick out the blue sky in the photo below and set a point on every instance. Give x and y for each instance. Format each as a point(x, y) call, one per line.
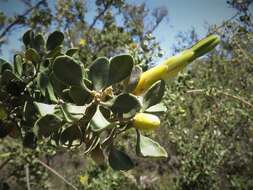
point(183, 15)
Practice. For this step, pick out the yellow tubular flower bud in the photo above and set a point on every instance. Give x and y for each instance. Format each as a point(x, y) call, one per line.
point(146, 121)
point(170, 67)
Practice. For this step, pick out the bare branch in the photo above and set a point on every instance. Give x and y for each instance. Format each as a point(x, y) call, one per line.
point(27, 176)
point(237, 98)
point(224, 23)
point(57, 174)
point(106, 7)
point(4, 163)
point(18, 19)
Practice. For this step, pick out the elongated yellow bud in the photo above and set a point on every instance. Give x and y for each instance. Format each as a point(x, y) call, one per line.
point(146, 121)
point(173, 65)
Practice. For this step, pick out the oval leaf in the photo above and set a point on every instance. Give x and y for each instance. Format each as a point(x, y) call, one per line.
point(158, 108)
point(118, 160)
point(154, 94)
point(80, 96)
point(18, 64)
point(71, 52)
point(126, 104)
point(98, 73)
point(98, 122)
point(4, 65)
point(71, 136)
point(39, 43)
point(120, 68)
point(133, 79)
point(72, 112)
point(47, 125)
point(67, 70)
point(147, 147)
point(43, 82)
point(45, 109)
point(28, 37)
point(30, 140)
point(54, 40)
point(32, 55)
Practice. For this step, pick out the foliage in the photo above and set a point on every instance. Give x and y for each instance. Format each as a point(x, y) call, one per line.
point(63, 108)
point(206, 130)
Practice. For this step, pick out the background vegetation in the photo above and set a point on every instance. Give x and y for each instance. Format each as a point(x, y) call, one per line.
point(207, 130)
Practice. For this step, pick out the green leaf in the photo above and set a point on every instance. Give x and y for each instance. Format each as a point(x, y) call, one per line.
point(54, 40)
point(15, 87)
point(67, 70)
point(18, 64)
point(79, 95)
point(4, 65)
point(32, 55)
point(8, 76)
point(147, 147)
point(120, 68)
point(57, 85)
point(47, 125)
point(158, 108)
point(154, 94)
point(118, 160)
point(98, 73)
point(126, 104)
point(65, 96)
point(43, 82)
point(133, 79)
point(28, 37)
point(30, 140)
point(50, 93)
point(98, 122)
point(73, 112)
point(54, 52)
point(89, 112)
point(39, 43)
point(45, 109)
point(29, 112)
point(71, 52)
point(71, 136)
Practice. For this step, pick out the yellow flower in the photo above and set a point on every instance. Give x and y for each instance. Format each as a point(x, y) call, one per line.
point(173, 65)
point(133, 45)
point(146, 121)
point(82, 42)
point(83, 179)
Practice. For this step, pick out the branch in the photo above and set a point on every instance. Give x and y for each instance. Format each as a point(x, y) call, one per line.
point(243, 51)
point(9, 27)
point(155, 26)
point(224, 23)
point(4, 163)
point(106, 7)
point(237, 98)
point(57, 174)
point(27, 176)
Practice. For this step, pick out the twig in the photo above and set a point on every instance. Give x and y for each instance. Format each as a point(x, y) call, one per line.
point(57, 174)
point(106, 7)
point(224, 23)
point(202, 91)
point(4, 163)
point(27, 175)
point(243, 51)
point(17, 20)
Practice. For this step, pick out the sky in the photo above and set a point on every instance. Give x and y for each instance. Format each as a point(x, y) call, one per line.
point(183, 16)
